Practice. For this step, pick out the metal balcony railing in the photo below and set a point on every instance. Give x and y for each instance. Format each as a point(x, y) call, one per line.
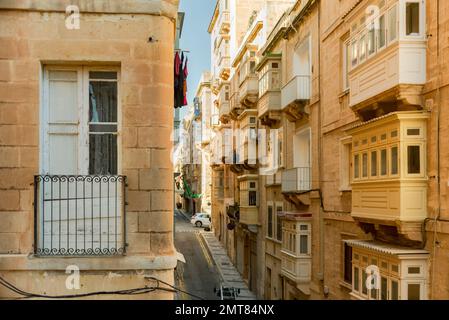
point(297, 89)
point(79, 215)
point(297, 180)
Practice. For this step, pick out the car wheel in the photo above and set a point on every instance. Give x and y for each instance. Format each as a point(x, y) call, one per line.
point(198, 224)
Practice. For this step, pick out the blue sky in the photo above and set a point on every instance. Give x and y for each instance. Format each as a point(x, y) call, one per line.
point(196, 39)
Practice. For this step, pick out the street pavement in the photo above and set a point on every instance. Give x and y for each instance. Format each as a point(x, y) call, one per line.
point(228, 272)
point(198, 275)
point(207, 263)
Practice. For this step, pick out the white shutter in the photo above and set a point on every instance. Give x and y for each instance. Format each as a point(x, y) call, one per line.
point(62, 123)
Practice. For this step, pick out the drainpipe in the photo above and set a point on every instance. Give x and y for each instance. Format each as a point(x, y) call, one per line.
point(321, 217)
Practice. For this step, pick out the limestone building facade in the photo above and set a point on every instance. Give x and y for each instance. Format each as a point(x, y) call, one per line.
point(352, 96)
point(86, 115)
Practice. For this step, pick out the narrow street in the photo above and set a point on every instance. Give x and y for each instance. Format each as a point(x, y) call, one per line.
point(198, 275)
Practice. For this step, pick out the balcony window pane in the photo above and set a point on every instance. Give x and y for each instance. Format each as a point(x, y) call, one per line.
point(392, 24)
point(383, 289)
point(374, 163)
point(364, 287)
point(103, 124)
point(374, 293)
point(356, 279)
point(394, 161)
point(394, 290)
point(279, 225)
point(356, 167)
point(103, 154)
point(354, 54)
point(252, 198)
point(365, 165)
point(346, 64)
point(414, 290)
point(362, 48)
point(383, 162)
point(348, 264)
point(270, 222)
point(381, 33)
point(304, 244)
point(412, 18)
point(414, 161)
point(371, 40)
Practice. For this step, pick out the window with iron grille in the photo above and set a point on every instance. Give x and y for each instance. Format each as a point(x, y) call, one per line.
point(79, 195)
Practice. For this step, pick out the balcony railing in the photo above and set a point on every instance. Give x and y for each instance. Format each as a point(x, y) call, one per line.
point(224, 22)
point(274, 179)
point(297, 180)
point(79, 215)
point(298, 89)
point(224, 68)
point(299, 269)
point(215, 120)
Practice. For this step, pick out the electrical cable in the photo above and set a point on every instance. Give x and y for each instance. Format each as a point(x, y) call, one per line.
point(135, 291)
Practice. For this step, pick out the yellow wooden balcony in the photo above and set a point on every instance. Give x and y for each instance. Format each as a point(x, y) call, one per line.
point(249, 199)
point(389, 178)
point(249, 215)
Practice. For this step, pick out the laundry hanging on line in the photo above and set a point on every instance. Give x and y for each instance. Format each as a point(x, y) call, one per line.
point(180, 76)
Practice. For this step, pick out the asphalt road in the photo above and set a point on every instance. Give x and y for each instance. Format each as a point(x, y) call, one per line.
point(198, 275)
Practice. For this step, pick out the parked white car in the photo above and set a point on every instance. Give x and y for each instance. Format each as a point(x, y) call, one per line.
point(201, 220)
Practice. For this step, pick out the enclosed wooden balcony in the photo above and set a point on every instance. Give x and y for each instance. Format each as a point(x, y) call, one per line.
point(224, 103)
point(389, 185)
point(248, 80)
point(249, 202)
point(224, 22)
point(295, 97)
point(224, 67)
point(247, 140)
point(235, 106)
point(296, 259)
point(273, 179)
point(249, 215)
point(269, 103)
point(297, 180)
point(387, 60)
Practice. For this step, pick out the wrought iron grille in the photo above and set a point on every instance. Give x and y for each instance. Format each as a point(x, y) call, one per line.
point(79, 215)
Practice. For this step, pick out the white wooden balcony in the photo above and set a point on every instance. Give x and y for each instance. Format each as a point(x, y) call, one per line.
point(299, 269)
point(387, 59)
point(269, 104)
point(249, 90)
point(296, 259)
point(296, 90)
point(295, 96)
point(224, 22)
point(224, 68)
point(297, 180)
point(249, 199)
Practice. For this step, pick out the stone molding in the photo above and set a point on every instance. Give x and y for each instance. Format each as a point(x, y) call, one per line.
point(23, 262)
point(167, 8)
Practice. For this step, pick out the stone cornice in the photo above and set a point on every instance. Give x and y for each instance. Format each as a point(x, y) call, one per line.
point(167, 8)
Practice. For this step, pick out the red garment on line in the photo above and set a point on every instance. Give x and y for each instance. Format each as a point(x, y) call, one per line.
point(186, 73)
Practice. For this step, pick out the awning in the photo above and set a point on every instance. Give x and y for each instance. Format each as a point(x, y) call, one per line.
point(384, 248)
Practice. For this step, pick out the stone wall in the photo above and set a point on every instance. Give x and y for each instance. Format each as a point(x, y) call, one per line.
point(33, 38)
